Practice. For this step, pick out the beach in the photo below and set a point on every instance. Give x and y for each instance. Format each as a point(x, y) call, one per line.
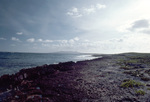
point(111, 78)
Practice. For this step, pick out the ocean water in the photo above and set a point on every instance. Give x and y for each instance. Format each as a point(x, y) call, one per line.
point(13, 62)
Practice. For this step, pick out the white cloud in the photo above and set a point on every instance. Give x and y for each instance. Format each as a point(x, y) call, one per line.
point(44, 41)
point(19, 33)
point(74, 12)
point(31, 40)
point(76, 39)
point(100, 6)
point(47, 41)
point(2, 38)
point(79, 12)
point(62, 41)
point(127, 43)
point(90, 10)
point(40, 40)
point(15, 39)
point(46, 45)
point(71, 41)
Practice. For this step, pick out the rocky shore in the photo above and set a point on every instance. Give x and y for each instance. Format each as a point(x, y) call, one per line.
point(112, 78)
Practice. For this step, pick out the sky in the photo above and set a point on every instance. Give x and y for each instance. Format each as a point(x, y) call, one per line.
point(92, 26)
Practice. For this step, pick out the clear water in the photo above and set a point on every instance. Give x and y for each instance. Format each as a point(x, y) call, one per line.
point(12, 62)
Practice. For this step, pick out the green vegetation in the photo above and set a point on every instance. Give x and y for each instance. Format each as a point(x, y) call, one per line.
point(140, 92)
point(129, 64)
point(129, 61)
point(148, 88)
point(134, 60)
point(131, 83)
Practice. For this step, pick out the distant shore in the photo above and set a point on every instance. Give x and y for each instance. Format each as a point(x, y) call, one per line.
point(118, 77)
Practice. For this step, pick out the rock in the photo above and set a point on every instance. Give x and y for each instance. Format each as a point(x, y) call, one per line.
point(34, 98)
point(6, 81)
point(148, 85)
point(26, 84)
point(145, 78)
point(35, 91)
point(25, 75)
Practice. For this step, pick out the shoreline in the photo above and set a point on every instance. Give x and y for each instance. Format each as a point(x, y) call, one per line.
point(99, 79)
point(11, 65)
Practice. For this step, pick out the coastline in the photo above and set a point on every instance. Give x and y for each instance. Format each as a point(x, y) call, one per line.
point(11, 63)
point(99, 79)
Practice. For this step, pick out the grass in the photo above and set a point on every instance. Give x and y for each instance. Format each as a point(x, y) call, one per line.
point(140, 92)
point(131, 83)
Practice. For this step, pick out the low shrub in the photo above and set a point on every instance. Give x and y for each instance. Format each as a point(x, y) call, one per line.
point(148, 88)
point(131, 83)
point(140, 92)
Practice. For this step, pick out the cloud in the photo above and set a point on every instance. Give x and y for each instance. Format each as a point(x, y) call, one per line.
point(45, 41)
point(74, 12)
point(72, 41)
point(76, 39)
point(89, 10)
point(2, 38)
point(45, 45)
point(59, 41)
point(142, 23)
point(136, 26)
point(31, 40)
point(146, 31)
point(62, 41)
point(19, 33)
point(40, 40)
point(15, 39)
point(79, 12)
point(93, 8)
point(126, 43)
point(100, 6)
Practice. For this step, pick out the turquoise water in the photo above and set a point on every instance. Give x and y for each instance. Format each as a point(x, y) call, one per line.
point(13, 62)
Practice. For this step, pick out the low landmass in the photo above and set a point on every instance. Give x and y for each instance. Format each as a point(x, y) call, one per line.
point(67, 52)
point(111, 78)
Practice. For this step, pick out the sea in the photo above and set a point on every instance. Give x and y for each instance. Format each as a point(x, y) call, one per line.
point(12, 62)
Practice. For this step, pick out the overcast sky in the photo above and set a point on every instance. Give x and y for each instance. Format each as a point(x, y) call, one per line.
point(101, 26)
